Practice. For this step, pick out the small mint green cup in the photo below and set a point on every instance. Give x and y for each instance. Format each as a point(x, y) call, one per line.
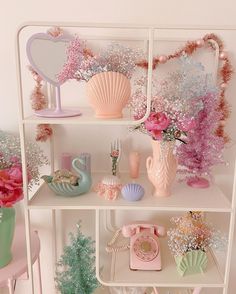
point(7, 228)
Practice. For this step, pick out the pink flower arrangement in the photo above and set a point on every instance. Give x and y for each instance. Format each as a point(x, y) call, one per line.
point(10, 186)
point(192, 232)
point(156, 123)
point(11, 181)
point(177, 97)
point(82, 64)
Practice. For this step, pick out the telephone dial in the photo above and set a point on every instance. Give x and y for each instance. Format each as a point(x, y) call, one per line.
point(144, 245)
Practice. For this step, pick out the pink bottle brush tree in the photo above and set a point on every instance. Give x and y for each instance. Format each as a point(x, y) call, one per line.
point(204, 148)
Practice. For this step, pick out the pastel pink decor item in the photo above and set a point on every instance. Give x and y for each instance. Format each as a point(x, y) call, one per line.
point(161, 167)
point(108, 93)
point(134, 164)
point(109, 188)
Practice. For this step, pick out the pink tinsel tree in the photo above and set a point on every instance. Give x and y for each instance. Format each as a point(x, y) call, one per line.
point(204, 148)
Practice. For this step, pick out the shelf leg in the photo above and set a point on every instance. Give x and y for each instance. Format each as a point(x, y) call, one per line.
point(97, 254)
point(54, 241)
point(28, 247)
point(231, 236)
point(39, 275)
point(10, 286)
point(108, 217)
point(113, 263)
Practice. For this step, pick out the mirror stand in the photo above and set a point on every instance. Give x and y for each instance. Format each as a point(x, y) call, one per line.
point(58, 111)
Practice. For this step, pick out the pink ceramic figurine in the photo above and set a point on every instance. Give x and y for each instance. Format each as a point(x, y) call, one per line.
point(161, 167)
point(134, 163)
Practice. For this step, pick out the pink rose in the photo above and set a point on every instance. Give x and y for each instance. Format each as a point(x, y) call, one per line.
point(156, 123)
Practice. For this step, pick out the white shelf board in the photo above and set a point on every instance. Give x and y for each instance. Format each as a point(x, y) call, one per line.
point(183, 198)
point(167, 277)
point(86, 118)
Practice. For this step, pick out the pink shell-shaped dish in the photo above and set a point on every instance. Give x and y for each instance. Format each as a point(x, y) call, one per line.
point(108, 93)
point(132, 192)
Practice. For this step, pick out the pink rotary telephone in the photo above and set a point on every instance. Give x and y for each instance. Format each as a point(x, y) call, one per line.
point(144, 245)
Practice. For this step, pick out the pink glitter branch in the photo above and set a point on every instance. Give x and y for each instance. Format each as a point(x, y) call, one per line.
point(204, 148)
point(74, 58)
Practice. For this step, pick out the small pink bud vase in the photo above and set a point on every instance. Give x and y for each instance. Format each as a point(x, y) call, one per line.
point(162, 167)
point(134, 163)
point(108, 93)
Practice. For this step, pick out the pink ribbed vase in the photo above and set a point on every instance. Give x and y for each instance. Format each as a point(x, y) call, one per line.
point(162, 167)
point(108, 93)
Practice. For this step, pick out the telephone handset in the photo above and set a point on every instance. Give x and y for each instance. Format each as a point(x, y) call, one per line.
point(144, 245)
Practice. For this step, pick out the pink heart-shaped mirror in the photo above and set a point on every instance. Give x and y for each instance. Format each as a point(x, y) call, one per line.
point(47, 56)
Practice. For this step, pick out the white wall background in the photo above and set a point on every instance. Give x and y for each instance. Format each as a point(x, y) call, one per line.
point(13, 13)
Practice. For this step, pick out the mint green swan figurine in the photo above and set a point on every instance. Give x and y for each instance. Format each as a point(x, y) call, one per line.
point(67, 189)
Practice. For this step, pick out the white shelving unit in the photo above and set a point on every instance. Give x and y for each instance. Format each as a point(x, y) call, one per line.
point(114, 270)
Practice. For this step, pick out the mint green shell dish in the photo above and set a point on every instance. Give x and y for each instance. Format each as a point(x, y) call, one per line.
point(68, 190)
point(192, 262)
point(7, 228)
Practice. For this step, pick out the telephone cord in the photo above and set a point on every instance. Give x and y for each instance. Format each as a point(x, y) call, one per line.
point(113, 249)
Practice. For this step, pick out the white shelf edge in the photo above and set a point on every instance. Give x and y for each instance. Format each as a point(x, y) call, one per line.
point(95, 204)
point(87, 117)
point(79, 122)
point(126, 25)
point(75, 207)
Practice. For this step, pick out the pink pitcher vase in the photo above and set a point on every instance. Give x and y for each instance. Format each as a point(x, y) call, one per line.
point(108, 93)
point(161, 167)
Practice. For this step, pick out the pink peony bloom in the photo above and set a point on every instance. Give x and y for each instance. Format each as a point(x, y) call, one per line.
point(10, 186)
point(156, 123)
point(157, 135)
